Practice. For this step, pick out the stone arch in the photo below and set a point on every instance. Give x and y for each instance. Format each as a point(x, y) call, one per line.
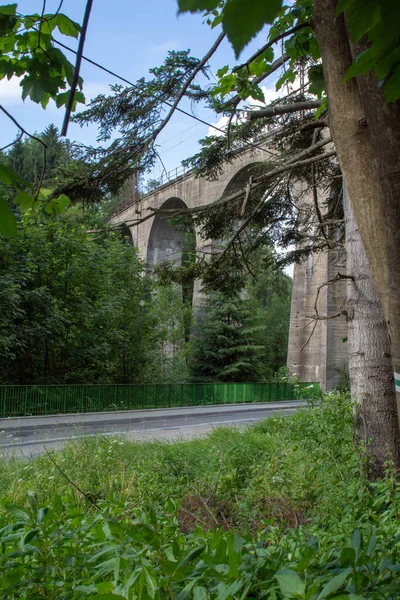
point(239, 180)
point(169, 241)
point(126, 234)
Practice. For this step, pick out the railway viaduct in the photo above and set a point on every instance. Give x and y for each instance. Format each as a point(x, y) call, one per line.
point(321, 357)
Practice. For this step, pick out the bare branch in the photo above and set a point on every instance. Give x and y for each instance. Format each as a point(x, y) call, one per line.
point(182, 92)
point(18, 139)
point(272, 111)
point(320, 124)
point(317, 317)
point(272, 43)
point(33, 137)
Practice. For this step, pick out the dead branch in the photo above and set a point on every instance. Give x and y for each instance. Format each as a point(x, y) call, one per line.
point(317, 317)
point(272, 111)
point(185, 86)
point(319, 124)
point(271, 43)
point(246, 197)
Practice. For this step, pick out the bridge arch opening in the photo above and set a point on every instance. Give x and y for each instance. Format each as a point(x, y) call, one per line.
point(240, 179)
point(126, 234)
point(174, 243)
point(170, 241)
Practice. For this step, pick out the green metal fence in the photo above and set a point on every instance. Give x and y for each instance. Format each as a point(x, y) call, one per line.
point(23, 400)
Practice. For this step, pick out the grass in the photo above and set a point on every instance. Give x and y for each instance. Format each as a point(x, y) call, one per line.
point(280, 510)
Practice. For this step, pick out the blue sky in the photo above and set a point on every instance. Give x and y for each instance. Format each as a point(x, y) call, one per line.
point(128, 38)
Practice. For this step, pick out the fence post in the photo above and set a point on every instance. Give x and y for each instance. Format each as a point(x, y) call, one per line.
point(4, 402)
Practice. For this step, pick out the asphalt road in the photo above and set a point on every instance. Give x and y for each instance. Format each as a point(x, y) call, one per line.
point(28, 436)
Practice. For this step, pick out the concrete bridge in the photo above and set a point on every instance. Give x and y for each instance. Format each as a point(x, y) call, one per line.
point(321, 356)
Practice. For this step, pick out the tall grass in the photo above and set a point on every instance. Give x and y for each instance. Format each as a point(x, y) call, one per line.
point(290, 492)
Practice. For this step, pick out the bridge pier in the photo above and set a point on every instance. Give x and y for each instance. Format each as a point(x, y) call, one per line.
point(318, 348)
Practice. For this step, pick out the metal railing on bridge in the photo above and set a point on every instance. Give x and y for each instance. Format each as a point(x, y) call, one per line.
point(24, 400)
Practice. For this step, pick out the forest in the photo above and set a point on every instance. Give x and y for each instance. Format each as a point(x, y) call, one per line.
point(78, 306)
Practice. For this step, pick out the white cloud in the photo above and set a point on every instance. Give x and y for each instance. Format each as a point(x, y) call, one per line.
point(91, 89)
point(165, 46)
point(10, 91)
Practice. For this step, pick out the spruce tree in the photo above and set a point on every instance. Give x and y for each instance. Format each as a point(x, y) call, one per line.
point(226, 347)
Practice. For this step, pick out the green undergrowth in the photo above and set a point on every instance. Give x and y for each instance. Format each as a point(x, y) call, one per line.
point(279, 510)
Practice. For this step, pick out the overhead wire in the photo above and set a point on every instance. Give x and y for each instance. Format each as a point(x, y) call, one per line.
point(178, 109)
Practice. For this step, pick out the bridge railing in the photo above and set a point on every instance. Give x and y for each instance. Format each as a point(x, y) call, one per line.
point(24, 400)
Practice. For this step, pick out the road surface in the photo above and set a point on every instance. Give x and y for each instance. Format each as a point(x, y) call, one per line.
point(29, 436)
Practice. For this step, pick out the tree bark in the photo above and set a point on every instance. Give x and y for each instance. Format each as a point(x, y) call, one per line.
point(370, 362)
point(352, 139)
point(383, 122)
point(366, 134)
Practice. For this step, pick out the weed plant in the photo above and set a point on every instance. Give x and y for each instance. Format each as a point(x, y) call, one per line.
point(279, 510)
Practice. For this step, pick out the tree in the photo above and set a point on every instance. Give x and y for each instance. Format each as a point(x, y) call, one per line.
point(28, 50)
point(309, 30)
point(360, 73)
point(370, 364)
point(227, 344)
point(75, 306)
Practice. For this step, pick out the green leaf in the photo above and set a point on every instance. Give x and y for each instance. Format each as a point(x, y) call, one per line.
point(104, 587)
point(356, 540)
point(343, 5)
point(42, 513)
point(8, 222)
point(223, 71)
point(317, 83)
point(321, 109)
point(290, 584)
point(62, 99)
point(28, 537)
point(107, 597)
point(335, 584)
point(24, 200)
point(361, 17)
point(391, 89)
point(57, 205)
point(362, 63)
point(200, 593)
point(11, 577)
point(151, 583)
point(241, 22)
point(196, 5)
point(347, 557)
point(65, 25)
point(192, 555)
point(8, 9)
point(10, 177)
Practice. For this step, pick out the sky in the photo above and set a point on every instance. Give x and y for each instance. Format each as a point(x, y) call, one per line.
point(128, 38)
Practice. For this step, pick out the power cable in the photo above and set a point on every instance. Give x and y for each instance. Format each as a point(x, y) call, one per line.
point(181, 110)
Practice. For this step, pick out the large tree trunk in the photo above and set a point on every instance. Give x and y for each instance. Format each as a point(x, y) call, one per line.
point(360, 123)
point(370, 362)
point(383, 122)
